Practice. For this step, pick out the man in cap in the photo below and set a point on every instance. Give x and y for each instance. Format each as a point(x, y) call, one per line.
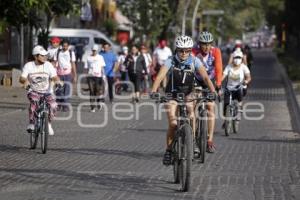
point(52, 50)
point(38, 74)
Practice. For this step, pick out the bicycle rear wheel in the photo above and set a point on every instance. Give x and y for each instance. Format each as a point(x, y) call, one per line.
point(228, 121)
point(44, 132)
point(202, 134)
point(33, 139)
point(175, 162)
point(185, 165)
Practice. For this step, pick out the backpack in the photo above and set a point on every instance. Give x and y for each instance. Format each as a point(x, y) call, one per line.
point(181, 80)
point(59, 50)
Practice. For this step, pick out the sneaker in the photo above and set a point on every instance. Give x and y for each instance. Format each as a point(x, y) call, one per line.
point(93, 110)
point(50, 129)
point(167, 158)
point(30, 128)
point(196, 148)
point(210, 147)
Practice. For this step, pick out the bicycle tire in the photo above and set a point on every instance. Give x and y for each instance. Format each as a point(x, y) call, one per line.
point(44, 132)
point(202, 135)
point(175, 162)
point(33, 139)
point(235, 124)
point(185, 142)
point(228, 121)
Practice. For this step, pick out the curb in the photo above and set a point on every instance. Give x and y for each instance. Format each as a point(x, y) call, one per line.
point(291, 97)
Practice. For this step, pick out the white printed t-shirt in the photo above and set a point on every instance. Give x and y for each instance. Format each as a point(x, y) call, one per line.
point(39, 76)
point(64, 62)
point(235, 76)
point(95, 65)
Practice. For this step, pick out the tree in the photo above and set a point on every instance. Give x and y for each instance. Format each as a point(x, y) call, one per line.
point(18, 12)
point(150, 18)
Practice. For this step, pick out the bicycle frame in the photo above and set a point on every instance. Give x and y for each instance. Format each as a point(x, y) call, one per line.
point(42, 108)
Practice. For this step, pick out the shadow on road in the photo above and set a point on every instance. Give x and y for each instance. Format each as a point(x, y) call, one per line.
point(264, 139)
point(116, 152)
point(63, 180)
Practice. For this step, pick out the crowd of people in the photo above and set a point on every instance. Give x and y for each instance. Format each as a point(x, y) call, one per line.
point(191, 64)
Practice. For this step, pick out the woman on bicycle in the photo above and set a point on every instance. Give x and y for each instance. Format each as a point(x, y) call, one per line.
point(179, 69)
point(38, 74)
point(236, 74)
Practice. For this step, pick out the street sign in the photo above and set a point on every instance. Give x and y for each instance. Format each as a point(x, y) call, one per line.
point(213, 12)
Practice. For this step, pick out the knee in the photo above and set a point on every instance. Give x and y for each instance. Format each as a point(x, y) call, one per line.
point(211, 109)
point(192, 116)
point(172, 124)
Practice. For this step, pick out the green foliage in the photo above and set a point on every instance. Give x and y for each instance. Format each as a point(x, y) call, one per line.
point(110, 26)
point(291, 63)
point(27, 12)
point(17, 12)
point(239, 16)
point(149, 17)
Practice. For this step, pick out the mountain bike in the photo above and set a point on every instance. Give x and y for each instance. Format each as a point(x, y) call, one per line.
point(182, 146)
point(204, 96)
point(231, 112)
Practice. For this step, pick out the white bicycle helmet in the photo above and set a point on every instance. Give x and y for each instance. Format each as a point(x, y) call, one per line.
point(206, 37)
point(184, 41)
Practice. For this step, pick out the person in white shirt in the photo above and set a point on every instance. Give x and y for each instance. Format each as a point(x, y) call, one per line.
point(148, 61)
point(160, 55)
point(94, 67)
point(66, 70)
point(122, 67)
point(52, 50)
point(234, 75)
point(38, 74)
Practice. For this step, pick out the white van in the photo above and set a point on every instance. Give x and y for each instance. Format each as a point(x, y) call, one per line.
point(88, 36)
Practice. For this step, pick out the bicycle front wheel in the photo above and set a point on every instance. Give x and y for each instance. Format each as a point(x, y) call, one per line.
point(44, 132)
point(202, 135)
point(175, 160)
point(228, 121)
point(185, 165)
point(33, 139)
point(235, 124)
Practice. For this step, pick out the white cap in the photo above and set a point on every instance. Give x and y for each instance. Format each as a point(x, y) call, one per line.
point(237, 53)
point(238, 41)
point(95, 47)
point(125, 48)
point(39, 50)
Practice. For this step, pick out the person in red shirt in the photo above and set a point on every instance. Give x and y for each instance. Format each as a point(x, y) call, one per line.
point(212, 59)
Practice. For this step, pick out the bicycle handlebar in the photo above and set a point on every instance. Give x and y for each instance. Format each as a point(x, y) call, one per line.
point(163, 99)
